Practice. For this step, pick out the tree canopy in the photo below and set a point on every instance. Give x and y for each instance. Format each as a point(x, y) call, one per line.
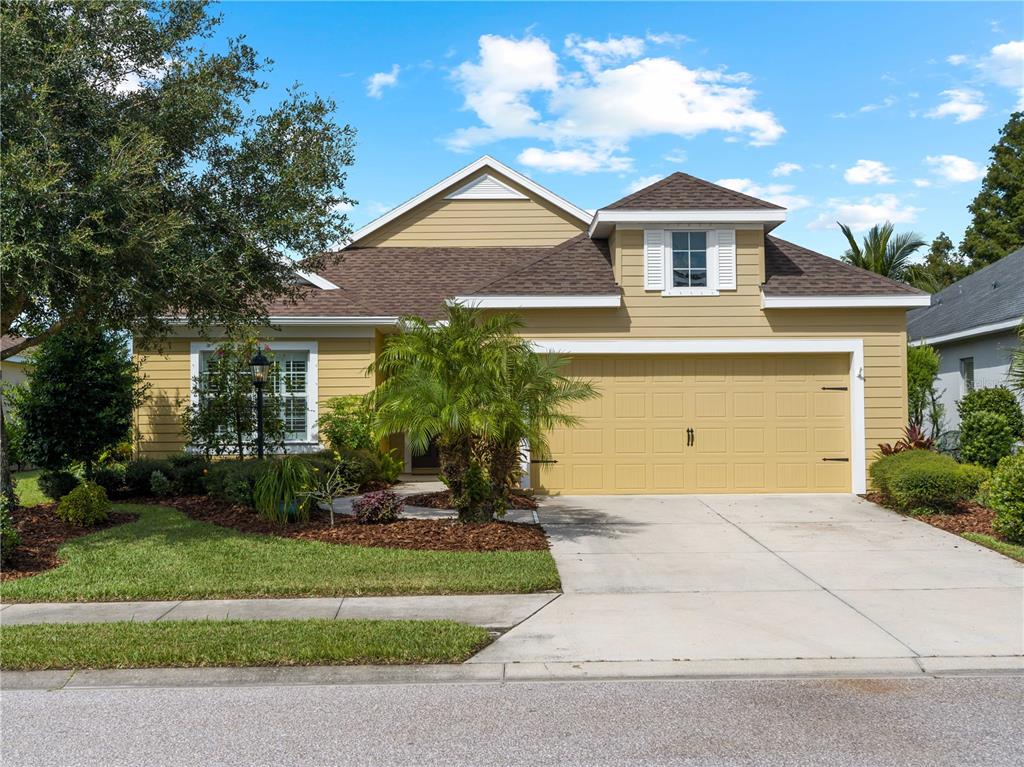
point(883, 251)
point(138, 182)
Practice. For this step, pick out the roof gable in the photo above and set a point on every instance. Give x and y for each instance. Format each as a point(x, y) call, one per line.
point(681, 191)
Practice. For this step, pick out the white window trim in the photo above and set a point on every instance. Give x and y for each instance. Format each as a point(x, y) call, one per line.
point(852, 346)
point(711, 259)
point(312, 377)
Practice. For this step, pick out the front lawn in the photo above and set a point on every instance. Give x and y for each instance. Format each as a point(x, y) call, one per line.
point(166, 555)
point(27, 487)
point(1012, 550)
point(236, 643)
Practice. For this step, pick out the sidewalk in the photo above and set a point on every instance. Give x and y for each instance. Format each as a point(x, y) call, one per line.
point(491, 611)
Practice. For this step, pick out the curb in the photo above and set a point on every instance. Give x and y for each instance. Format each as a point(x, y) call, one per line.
point(512, 673)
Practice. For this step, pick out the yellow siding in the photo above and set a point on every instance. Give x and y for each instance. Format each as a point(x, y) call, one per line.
point(481, 223)
point(738, 314)
point(341, 363)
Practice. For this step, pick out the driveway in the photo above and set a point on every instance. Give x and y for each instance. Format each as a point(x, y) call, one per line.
point(658, 578)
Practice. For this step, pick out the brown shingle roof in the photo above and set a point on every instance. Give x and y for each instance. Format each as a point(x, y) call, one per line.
point(791, 270)
point(681, 191)
point(391, 282)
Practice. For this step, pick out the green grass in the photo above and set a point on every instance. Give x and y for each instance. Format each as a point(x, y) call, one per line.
point(1012, 550)
point(236, 643)
point(29, 493)
point(166, 555)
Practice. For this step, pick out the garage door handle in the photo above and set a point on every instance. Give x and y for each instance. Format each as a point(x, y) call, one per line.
point(689, 437)
point(834, 388)
point(841, 460)
point(543, 460)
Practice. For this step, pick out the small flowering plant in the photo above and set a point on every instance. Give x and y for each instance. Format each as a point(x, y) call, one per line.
point(377, 507)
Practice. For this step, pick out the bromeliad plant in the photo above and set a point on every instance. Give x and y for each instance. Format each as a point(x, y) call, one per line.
point(281, 493)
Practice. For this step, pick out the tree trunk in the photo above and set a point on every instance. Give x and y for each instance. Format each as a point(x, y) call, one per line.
point(460, 474)
point(502, 469)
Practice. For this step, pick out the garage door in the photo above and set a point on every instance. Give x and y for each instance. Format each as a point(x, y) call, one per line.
point(702, 424)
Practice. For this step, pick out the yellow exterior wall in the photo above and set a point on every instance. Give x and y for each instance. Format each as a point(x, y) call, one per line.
point(341, 369)
point(738, 314)
point(478, 223)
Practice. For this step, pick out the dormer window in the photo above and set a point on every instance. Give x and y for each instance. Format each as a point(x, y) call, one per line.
point(689, 259)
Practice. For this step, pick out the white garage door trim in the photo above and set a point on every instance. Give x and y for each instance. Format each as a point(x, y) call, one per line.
point(852, 346)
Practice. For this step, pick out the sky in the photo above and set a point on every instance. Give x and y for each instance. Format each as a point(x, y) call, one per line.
point(856, 112)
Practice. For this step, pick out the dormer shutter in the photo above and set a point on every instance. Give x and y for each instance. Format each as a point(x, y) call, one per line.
point(654, 259)
point(727, 259)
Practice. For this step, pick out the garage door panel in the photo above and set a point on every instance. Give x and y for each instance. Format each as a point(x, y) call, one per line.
point(761, 423)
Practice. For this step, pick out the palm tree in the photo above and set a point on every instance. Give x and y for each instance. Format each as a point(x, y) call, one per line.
point(885, 253)
point(530, 397)
point(1016, 374)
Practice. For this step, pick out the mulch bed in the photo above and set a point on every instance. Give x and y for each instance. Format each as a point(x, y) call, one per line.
point(969, 517)
point(42, 533)
point(442, 499)
point(420, 534)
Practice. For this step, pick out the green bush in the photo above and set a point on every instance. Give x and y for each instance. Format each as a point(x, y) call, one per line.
point(347, 424)
point(159, 485)
point(56, 484)
point(322, 460)
point(189, 473)
point(137, 474)
point(997, 399)
point(377, 508)
point(86, 505)
point(280, 493)
point(234, 481)
point(1006, 498)
point(110, 478)
point(9, 538)
point(921, 481)
point(985, 437)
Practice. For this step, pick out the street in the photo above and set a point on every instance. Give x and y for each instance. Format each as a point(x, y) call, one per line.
point(883, 721)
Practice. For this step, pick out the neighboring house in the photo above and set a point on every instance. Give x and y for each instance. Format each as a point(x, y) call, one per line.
point(728, 360)
point(973, 326)
point(12, 369)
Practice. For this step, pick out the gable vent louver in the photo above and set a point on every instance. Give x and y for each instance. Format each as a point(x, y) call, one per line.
point(485, 187)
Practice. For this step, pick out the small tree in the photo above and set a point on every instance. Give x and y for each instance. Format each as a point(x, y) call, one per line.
point(922, 399)
point(221, 420)
point(78, 401)
point(884, 252)
point(347, 423)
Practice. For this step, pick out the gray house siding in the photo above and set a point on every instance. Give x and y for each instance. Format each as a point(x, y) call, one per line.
point(991, 356)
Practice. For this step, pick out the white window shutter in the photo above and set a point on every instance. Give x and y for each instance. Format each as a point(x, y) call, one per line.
point(654, 259)
point(727, 259)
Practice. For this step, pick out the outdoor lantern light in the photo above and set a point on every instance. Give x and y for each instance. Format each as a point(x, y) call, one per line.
point(260, 370)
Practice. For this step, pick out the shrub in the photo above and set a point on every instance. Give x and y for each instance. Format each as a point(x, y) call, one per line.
point(110, 478)
point(189, 473)
point(377, 507)
point(322, 460)
point(56, 484)
point(159, 485)
point(1006, 498)
point(347, 424)
point(997, 399)
point(922, 481)
point(280, 493)
point(234, 481)
point(985, 437)
point(137, 474)
point(86, 505)
point(913, 438)
point(9, 538)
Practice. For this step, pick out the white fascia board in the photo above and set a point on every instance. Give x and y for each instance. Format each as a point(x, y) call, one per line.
point(539, 302)
point(604, 220)
point(315, 279)
point(485, 161)
point(852, 346)
point(843, 302)
point(372, 321)
point(980, 330)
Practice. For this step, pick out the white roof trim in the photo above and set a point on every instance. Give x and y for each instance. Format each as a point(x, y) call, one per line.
point(484, 162)
point(980, 330)
point(327, 320)
point(486, 187)
point(843, 302)
point(316, 280)
point(605, 219)
point(539, 302)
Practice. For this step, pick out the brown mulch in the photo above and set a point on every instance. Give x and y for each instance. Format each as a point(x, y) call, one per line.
point(969, 517)
point(42, 533)
point(442, 499)
point(420, 534)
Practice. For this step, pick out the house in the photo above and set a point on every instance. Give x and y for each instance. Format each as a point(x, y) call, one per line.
point(12, 369)
point(728, 360)
point(972, 324)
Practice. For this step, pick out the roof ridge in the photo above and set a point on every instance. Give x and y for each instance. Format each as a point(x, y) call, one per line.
point(696, 180)
point(842, 264)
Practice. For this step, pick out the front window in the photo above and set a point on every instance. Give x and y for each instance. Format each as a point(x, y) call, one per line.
point(966, 375)
point(689, 259)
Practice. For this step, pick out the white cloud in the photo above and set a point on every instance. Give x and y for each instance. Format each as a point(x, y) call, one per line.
point(668, 38)
point(677, 156)
point(639, 183)
point(922, 183)
point(787, 168)
point(869, 172)
point(864, 213)
point(954, 168)
point(780, 194)
point(378, 81)
point(957, 59)
point(962, 104)
point(1005, 66)
point(521, 88)
point(885, 103)
point(574, 160)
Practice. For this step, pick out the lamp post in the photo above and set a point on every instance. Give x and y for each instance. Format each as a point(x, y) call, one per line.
point(260, 366)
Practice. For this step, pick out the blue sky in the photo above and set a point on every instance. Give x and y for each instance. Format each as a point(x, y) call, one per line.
point(856, 112)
